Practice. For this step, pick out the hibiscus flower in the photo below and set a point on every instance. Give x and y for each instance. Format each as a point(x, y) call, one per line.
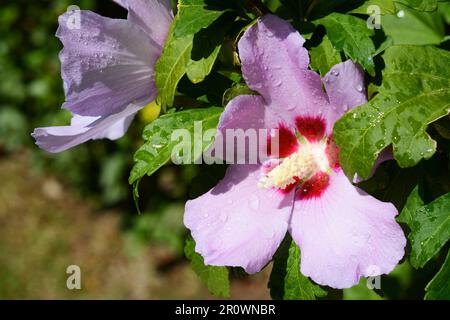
point(108, 69)
point(343, 233)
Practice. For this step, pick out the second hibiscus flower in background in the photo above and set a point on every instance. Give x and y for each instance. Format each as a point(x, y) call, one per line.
point(108, 69)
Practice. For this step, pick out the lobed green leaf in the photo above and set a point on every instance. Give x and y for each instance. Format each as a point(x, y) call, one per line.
point(157, 149)
point(415, 92)
point(439, 286)
point(215, 278)
point(286, 281)
point(351, 35)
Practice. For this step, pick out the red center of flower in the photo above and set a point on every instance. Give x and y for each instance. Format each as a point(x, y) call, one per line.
point(287, 143)
point(312, 128)
point(304, 157)
point(314, 187)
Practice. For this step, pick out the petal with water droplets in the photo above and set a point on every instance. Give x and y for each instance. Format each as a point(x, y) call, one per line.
point(238, 224)
point(344, 84)
point(275, 64)
point(346, 234)
point(106, 64)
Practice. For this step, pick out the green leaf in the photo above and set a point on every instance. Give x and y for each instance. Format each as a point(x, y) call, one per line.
point(421, 5)
point(439, 286)
point(413, 203)
point(196, 15)
point(383, 46)
point(324, 56)
point(385, 6)
point(236, 90)
point(171, 67)
point(360, 292)
point(157, 149)
point(444, 10)
point(430, 230)
point(415, 92)
point(215, 278)
point(414, 27)
point(197, 70)
point(192, 17)
point(207, 44)
point(350, 34)
point(286, 282)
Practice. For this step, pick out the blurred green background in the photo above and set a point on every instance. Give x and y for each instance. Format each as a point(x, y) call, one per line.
point(76, 207)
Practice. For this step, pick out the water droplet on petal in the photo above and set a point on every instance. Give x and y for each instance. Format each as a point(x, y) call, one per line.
point(223, 217)
point(290, 107)
point(359, 88)
point(277, 83)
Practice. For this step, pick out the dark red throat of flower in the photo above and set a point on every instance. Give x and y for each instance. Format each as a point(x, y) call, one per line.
point(303, 164)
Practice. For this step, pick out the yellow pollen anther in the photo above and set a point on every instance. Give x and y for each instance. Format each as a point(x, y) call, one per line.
point(301, 165)
point(298, 164)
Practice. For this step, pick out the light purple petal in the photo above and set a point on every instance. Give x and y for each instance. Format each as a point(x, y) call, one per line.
point(244, 112)
point(346, 90)
point(121, 3)
point(153, 16)
point(275, 64)
point(106, 64)
point(346, 234)
point(236, 223)
point(82, 129)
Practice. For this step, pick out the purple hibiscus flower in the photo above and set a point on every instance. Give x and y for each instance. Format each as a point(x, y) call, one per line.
point(343, 232)
point(108, 69)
